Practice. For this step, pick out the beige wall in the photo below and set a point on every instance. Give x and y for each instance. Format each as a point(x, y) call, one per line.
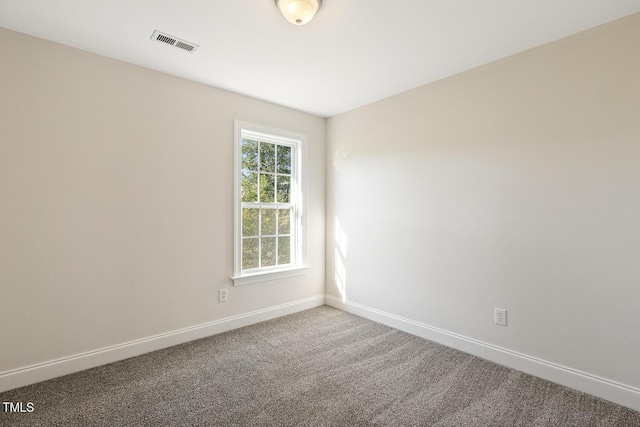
point(514, 185)
point(116, 192)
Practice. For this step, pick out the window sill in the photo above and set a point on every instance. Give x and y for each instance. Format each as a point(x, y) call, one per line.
point(265, 276)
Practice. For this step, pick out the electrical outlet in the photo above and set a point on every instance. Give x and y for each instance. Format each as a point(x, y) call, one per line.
point(222, 295)
point(500, 316)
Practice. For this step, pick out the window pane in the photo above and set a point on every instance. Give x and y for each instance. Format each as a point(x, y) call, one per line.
point(268, 251)
point(284, 250)
point(250, 154)
point(284, 188)
point(284, 221)
point(267, 188)
point(250, 253)
point(268, 222)
point(284, 159)
point(269, 212)
point(249, 187)
point(250, 222)
point(267, 157)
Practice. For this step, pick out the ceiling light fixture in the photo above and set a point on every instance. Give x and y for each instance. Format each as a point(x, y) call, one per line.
point(298, 12)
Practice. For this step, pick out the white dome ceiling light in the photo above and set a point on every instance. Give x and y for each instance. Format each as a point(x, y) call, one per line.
point(298, 12)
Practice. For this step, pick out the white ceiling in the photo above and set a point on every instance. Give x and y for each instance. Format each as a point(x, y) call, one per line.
point(353, 53)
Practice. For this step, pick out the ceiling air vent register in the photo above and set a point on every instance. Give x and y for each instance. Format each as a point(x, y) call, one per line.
point(174, 41)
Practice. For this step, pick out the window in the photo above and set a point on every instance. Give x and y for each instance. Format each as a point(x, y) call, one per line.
point(269, 238)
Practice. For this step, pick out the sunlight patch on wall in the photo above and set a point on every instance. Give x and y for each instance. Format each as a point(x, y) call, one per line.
point(341, 244)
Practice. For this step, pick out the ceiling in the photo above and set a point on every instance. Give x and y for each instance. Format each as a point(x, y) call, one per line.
point(353, 53)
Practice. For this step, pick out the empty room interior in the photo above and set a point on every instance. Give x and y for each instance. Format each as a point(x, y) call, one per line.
point(320, 212)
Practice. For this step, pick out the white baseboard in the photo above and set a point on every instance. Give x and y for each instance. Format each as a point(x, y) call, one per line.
point(601, 387)
point(68, 365)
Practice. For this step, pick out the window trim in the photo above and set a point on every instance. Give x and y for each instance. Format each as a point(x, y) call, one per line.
point(268, 134)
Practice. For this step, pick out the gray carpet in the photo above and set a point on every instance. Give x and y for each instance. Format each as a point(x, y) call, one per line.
point(320, 367)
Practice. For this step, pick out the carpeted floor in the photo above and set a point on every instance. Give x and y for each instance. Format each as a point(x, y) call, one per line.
point(320, 367)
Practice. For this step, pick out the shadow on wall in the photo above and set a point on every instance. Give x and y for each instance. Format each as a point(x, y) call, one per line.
point(341, 247)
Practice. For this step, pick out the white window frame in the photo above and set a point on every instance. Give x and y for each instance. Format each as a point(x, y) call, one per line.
point(298, 142)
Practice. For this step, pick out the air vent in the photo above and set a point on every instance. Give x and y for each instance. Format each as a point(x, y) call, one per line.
point(174, 41)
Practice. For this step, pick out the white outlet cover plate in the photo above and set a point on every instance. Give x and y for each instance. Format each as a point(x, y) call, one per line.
point(500, 316)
